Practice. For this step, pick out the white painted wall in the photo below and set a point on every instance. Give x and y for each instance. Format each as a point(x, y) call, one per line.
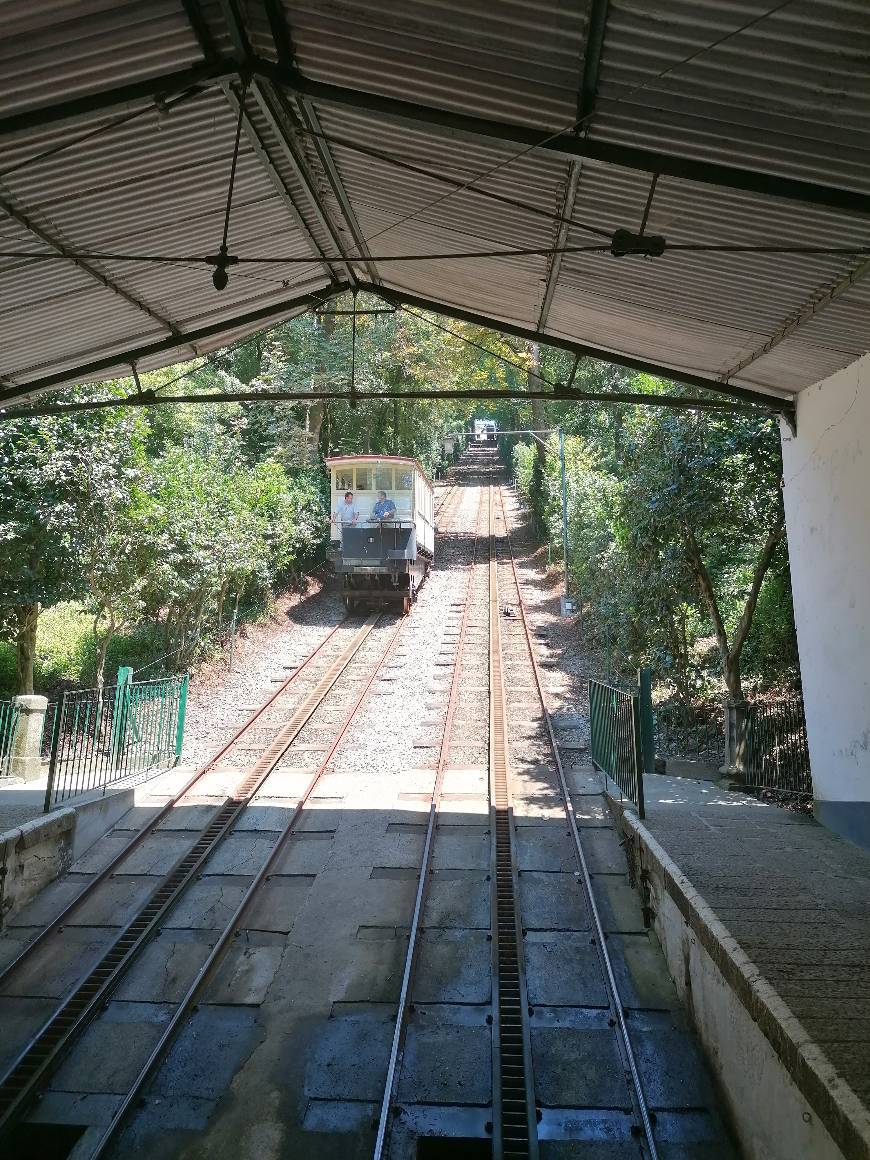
point(827, 505)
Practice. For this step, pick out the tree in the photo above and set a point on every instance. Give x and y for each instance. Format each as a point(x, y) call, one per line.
point(59, 479)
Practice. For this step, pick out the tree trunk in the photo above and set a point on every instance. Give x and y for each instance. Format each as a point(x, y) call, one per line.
point(733, 677)
point(103, 643)
point(731, 652)
point(27, 617)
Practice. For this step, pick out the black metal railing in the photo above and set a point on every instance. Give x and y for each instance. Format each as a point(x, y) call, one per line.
point(777, 754)
point(100, 736)
point(692, 732)
point(615, 738)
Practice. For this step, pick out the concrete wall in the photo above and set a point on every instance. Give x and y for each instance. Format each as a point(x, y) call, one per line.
point(33, 855)
point(782, 1096)
point(827, 505)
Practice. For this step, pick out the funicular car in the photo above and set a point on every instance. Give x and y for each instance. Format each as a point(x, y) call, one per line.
point(381, 560)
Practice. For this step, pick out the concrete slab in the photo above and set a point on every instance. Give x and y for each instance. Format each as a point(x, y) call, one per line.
point(446, 1062)
point(545, 850)
point(349, 1054)
point(562, 969)
point(578, 1067)
point(20, 1019)
point(461, 847)
point(458, 898)
point(553, 901)
point(102, 1061)
point(454, 967)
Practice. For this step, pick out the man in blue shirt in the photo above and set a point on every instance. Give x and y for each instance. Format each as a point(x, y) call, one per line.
point(384, 509)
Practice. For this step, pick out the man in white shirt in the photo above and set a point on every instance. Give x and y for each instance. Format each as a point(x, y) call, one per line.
point(346, 514)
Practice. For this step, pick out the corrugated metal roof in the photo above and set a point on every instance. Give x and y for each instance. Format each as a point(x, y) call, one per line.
point(788, 96)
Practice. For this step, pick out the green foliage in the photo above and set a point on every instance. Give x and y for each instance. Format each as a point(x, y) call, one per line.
point(643, 487)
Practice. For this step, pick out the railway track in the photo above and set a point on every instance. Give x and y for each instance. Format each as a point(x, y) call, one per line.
point(521, 645)
point(57, 1037)
point(461, 622)
point(507, 643)
point(493, 700)
point(53, 1041)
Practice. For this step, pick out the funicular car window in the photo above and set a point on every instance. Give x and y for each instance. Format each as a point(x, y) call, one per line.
point(344, 479)
point(364, 479)
point(384, 479)
point(404, 478)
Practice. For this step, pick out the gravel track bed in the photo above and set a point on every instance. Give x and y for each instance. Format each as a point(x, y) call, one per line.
point(220, 701)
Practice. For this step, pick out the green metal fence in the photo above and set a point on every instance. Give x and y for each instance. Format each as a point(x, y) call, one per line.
point(615, 738)
point(101, 736)
point(9, 716)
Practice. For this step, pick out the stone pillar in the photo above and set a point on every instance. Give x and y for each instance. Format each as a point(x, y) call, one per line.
point(736, 725)
point(25, 760)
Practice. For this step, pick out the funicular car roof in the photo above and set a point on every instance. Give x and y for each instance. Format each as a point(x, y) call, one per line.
point(339, 460)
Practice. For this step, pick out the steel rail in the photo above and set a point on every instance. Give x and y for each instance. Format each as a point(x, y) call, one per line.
point(76, 1010)
point(615, 999)
point(205, 971)
point(514, 1113)
point(412, 952)
point(59, 920)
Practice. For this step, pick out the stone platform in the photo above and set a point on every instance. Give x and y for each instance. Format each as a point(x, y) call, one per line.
point(764, 916)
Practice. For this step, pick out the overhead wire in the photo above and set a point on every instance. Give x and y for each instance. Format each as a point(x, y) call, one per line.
point(448, 256)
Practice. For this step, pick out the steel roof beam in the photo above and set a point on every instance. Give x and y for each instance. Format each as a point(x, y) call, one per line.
point(560, 394)
point(86, 267)
point(262, 155)
point(609, 153)
point(595, 26)
point(241, 43)
point(283, 40)
point(566, 212)
point(86, 372)
point(566, 144)
point(274, 110)
point(312, 124)
point(149, 89)
point(776, 403)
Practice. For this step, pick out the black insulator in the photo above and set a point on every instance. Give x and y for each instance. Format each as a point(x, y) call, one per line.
point(624, 242)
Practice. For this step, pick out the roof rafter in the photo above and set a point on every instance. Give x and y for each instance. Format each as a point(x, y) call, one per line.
point(774, 402)
point(284, 47)
point(274, 109)
point(567, 144)
point(262, 155)
point(88, 372)
point(283, 39)
point(586, 94)
point(610, 153)
point(23, 219)
point(821, 300)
